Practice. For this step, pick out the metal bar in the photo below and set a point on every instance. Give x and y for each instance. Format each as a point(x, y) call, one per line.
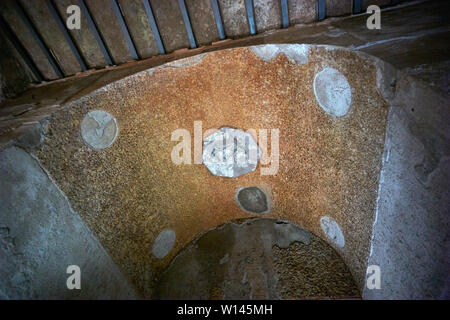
point(250, 16)
point(284, 13)
point(321, 9)
point(66, 34)
point(94, 30)
point(37, 37)
point(21, 50)
point(218, 18)
point(187, 23)
point(357, 6)
point(123, 26)
point(154, 26)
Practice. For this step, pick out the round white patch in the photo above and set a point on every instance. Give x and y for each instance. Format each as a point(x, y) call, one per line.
point(332, 92)
point(99, 129)
point(164, 242)
point(332, 231)
point(230, 153)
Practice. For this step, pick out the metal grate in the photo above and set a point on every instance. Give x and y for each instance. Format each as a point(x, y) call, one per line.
point(94, 30)
point(153, 26)
point(249, 6)
point(321, 9)
point(66, 34)
point(250, 16)
point(37, 37)
point(284, 13)
point(123, 26)
point(21, 50)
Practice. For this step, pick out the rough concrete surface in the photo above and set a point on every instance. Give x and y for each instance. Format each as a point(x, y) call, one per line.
point(267, 14)
point(411, 234)
point(234, 17)
point(40, 236)
point(170, 24)
point(202, 21)
point(302, 11)
point(138, 26)
point(256, 259)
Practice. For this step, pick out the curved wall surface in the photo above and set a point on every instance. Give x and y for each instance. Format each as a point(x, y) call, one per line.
point(328, 164)
point(257, 259)
point(347, 148)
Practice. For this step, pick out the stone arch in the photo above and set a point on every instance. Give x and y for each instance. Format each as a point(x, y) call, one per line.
point(256, 258)
point(130, 192)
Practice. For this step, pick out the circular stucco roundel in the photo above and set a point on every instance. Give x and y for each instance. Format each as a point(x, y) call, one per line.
point(99, 129)
point(332, 92)
point(332, 231)
point(252, 200)
point(230, 152)
point(163, 243)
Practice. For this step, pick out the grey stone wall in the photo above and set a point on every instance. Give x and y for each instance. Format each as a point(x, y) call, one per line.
point(411, 233)
point(40, 236)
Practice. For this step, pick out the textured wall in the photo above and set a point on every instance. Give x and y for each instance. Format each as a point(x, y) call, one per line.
point(411, 235)
point(421, 156)
point(40, 236)
point(131, 191)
